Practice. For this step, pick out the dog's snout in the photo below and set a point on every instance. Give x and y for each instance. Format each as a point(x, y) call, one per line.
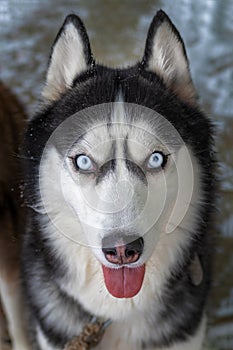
point(127, 253)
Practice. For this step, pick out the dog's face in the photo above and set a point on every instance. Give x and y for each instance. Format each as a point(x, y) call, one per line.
point(116, 174)
point(117, 185)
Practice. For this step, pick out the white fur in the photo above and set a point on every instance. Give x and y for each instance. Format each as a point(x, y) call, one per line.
point(111, 339)
point(67, 61)
point(168, 60)
point(166, 51)
point(71, 220)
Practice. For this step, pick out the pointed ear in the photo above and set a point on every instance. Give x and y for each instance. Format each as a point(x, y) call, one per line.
point(70, 56)
point(165, 55)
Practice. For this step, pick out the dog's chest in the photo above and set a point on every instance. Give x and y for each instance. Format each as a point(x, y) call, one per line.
point(123, 335)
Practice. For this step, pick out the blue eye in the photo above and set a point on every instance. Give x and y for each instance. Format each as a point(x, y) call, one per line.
point(83, 163)
point(156, 160)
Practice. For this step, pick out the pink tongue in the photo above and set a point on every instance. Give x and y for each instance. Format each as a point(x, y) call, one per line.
point(124, 282)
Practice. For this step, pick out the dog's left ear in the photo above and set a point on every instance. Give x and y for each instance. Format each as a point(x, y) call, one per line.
point(165, 55)
point(70, 56)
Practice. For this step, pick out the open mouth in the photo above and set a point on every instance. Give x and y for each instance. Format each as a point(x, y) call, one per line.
point(124, 282)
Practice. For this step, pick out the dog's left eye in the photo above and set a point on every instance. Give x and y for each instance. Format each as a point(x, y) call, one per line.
point(157, 160)
point(83, 162)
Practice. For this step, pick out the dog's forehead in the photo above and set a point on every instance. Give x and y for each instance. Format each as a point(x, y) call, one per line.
point(127, 131)
point(112, 130)
point(116, 139)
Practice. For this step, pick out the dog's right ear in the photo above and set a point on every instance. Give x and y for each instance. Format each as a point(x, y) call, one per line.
point(70, 56)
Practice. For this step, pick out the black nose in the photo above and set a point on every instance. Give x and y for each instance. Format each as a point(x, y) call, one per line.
point(123, 253)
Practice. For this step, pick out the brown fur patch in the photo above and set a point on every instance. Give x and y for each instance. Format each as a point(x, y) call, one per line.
point(12, 215)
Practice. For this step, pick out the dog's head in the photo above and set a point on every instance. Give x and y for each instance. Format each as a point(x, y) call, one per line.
point(118, 171)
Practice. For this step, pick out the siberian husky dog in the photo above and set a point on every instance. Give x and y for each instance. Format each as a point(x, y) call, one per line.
point(120, 188)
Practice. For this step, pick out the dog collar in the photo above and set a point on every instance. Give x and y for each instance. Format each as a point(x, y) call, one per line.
point(90, 336)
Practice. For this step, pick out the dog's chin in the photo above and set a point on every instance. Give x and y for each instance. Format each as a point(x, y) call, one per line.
point(125, 281)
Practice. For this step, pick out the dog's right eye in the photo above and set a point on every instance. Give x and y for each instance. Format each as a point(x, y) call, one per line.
point(84, 163)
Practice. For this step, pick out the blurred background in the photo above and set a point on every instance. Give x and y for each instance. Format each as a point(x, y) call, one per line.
point(117, 31)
